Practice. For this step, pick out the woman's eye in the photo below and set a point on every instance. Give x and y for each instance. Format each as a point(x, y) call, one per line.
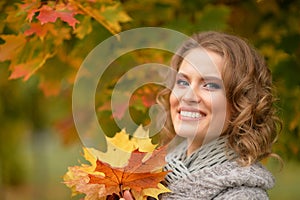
point(182, 82)
point(212, 86)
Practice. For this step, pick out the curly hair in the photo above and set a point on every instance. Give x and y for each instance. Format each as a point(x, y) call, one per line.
point(254, 125)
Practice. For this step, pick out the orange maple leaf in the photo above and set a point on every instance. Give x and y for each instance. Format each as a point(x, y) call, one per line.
point(27, 69)
point(13, 44)
point(140, 173)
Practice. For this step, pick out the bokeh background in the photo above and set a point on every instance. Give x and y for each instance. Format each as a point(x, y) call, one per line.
point(43, 43)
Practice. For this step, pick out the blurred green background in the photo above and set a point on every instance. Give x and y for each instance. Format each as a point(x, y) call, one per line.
point(38, 140)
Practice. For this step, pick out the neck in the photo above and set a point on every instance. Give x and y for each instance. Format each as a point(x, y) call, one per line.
point(193, 145)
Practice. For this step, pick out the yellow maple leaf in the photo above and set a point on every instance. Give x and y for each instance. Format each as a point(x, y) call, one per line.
point(152, 192)
point(140, 140)
point(122, 141)
point(115, 156)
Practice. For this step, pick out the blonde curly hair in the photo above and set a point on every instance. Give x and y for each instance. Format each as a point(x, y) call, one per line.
point(254, 125)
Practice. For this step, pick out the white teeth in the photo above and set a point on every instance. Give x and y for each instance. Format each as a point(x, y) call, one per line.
point(190, 114)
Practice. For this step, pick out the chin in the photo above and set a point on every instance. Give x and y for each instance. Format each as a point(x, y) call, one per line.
point(190, 133)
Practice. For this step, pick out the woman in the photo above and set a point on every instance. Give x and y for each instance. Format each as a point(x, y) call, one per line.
point(222, 105)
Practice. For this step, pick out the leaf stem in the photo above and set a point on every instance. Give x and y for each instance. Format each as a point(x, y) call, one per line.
point(121, 190)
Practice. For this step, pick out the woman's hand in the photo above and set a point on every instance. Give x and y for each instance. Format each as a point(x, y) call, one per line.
point(127, 196)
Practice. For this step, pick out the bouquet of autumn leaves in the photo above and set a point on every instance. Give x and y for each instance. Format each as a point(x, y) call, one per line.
point(130, 163)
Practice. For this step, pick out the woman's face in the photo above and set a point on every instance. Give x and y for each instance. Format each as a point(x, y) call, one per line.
point(198, 104)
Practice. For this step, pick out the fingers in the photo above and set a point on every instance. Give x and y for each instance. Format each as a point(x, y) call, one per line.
point(127, 195)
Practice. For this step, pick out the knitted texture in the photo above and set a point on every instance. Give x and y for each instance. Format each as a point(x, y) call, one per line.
point(223, 179)
point(210, 154)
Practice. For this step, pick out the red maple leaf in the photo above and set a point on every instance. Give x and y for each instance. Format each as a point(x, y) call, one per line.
point(48, 14)
point(140, 173)
point(38, 29)
point(31, 7)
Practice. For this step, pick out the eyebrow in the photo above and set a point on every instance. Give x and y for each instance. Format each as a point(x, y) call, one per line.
point(180, 74)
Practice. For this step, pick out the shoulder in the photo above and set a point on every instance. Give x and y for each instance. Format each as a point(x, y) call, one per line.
point(225, 181)
point(243, 192)
point(232, 174)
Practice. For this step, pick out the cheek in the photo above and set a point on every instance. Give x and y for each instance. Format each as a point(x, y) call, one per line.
point(218, 102)
point(220, 111)
point(219, 108)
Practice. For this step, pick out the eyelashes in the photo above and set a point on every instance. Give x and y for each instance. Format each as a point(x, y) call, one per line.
point(212, 86)
point(182, 83)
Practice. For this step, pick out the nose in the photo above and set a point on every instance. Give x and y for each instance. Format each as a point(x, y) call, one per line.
point(192, 95)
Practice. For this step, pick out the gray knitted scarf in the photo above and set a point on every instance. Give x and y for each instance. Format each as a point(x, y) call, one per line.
point(211, 173)
point(208, 155)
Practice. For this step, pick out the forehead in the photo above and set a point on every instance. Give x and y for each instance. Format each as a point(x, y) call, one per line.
point(201, 62)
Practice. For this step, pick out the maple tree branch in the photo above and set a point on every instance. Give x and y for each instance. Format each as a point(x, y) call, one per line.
point(98, 18)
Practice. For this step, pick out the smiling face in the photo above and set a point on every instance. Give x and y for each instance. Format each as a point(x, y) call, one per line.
point(198, 104)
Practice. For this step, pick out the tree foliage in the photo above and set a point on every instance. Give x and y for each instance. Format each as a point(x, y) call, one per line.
point(43, 43)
